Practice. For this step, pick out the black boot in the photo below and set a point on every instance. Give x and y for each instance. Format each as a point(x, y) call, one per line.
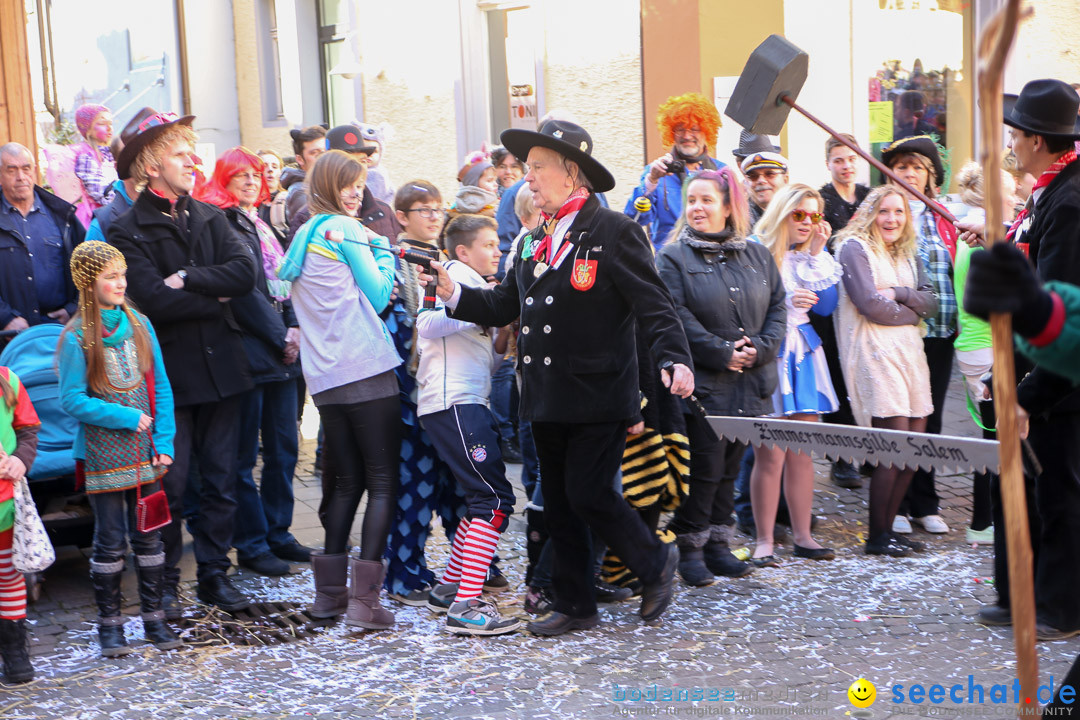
point(170, 594)
point(718, 557)
point(15, 651)
point(215, 588)
point(692, 566)
point(151, 583)
point(110, 621)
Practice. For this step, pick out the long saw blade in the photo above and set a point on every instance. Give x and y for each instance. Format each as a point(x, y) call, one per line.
point(858, 444)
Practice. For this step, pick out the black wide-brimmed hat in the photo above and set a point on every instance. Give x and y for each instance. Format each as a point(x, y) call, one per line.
point(348, 138)
point(147, 124)
point(567, 139)
point(1045, 107)
point(750, 143)
point(923, 145)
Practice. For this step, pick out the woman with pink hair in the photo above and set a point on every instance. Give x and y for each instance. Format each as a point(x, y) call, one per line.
point(271, 337)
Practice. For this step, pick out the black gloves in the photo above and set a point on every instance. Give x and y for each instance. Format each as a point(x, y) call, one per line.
point(1001, 280)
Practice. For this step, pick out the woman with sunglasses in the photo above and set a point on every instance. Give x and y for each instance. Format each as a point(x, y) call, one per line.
point(730, 298)
point(794, 230)
point(342, 277)
point(884, 299)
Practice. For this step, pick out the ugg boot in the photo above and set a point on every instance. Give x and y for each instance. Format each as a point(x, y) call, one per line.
point(331, 584)
point(692, 566)
point(110, 621)
point(151, 582)
point(364, 608)
point(15, 651)
point(718, 557)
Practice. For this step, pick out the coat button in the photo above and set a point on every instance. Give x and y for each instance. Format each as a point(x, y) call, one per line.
point(547, 361)
point(525, 330)
point(734, 289)
point(527, 359)
point(209, 351)
point(547, 329)
point(528, 301)
point(548, 300)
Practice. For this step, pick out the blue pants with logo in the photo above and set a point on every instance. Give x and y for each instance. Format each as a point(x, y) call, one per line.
point(467, 439)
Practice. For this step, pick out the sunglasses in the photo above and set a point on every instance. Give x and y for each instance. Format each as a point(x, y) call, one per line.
point(800, 215)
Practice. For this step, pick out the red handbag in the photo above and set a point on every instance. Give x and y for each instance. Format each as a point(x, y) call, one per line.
point(152, 511)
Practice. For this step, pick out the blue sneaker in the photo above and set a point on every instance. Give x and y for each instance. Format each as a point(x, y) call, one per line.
point(476, 616)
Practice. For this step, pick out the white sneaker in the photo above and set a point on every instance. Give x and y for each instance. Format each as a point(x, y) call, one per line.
point(902, 525)
point(981, 537)
point(932, 524)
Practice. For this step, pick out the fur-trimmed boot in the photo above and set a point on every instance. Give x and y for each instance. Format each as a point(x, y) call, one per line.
point(14, 648)
point(692, 566)
point(364, 608)
point(110, 621)
point(151, 584)
point(718, 557)
point(331, 584)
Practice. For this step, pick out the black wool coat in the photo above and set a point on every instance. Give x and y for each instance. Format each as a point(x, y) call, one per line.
point(722, 296)
point(262, 319)
point(576, 349)
point(1054, 248)
point(200, 339)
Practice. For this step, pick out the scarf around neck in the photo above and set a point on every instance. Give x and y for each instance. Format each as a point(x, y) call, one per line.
point(722, 241)
point(1045, 179)
point(115, 326)
point(541, 250)
point(272, 255)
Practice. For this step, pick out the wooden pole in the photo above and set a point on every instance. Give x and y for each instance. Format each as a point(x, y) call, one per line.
point(997, 39)
point(16, 100)
point(933, 205)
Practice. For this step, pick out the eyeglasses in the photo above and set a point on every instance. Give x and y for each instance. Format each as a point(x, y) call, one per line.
point(158, 119)
point(755, 175)
point(800, 215)
point(249, 176)
point(682, 130)
point(424, 212)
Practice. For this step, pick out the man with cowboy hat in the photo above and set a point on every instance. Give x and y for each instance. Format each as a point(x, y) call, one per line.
point(1043, 126)
point(688, 125)
point(184, 264)
point(583, 279)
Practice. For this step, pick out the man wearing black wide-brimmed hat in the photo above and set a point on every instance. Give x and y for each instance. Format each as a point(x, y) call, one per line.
point(585, 277)
point(1043, 127)
point(184, 265)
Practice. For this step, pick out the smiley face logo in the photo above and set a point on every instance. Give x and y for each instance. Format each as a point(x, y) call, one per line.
point(862, 693)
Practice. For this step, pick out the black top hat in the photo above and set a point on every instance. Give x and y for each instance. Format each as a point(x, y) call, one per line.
point(147, 124)
point(750, 143)
point(348, 138)
point(1045, 107)
point(921, 144)
point(567, 139)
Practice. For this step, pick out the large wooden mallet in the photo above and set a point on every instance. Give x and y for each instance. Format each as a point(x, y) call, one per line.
point(766, 92)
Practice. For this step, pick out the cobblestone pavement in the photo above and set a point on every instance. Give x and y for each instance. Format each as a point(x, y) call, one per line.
point(782, 643)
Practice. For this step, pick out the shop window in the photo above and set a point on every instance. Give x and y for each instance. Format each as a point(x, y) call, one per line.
point(340, 68)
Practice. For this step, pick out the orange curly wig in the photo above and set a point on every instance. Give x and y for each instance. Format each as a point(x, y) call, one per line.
point(690, 109)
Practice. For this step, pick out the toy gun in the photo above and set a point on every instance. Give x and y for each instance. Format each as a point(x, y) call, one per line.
point(409, 255)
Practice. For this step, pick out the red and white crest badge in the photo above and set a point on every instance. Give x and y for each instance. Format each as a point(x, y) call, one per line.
point(583, 274)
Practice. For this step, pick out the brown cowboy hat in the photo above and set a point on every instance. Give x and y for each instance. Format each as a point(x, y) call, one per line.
point(147, 124)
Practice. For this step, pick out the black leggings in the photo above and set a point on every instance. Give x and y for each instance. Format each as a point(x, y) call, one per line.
point(888, 484)
point(363, 444)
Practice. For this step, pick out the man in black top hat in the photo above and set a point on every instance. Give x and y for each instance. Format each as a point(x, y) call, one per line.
point(1043, 127)
point(585, 277)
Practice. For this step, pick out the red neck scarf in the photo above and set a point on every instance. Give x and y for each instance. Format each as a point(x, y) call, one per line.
point(572, 204)
point(1045, 179)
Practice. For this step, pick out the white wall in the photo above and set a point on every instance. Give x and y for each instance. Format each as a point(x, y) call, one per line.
point(211, 58)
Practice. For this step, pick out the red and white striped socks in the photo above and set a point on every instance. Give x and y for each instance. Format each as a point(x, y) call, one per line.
point(453, 566)
point(12, 585)
point(479, 548)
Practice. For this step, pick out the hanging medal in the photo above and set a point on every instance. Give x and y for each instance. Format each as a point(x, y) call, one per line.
point(540, 269)
point(583, 274)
